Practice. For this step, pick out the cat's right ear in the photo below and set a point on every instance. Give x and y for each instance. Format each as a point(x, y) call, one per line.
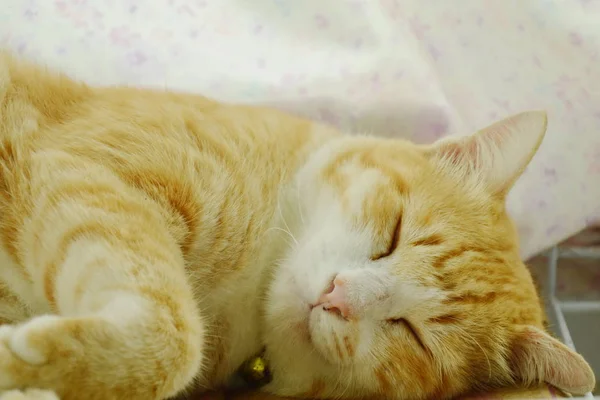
point(537, 357)
point(493, 157)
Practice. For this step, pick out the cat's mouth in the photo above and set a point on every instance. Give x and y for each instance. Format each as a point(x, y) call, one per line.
point(328, 309)
point(315, 318)
point(307, 327)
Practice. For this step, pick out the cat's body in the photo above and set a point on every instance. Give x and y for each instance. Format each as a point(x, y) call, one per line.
point(217, 190)
point(171, 237)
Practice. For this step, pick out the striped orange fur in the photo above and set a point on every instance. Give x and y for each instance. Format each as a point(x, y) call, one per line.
point(153, 241)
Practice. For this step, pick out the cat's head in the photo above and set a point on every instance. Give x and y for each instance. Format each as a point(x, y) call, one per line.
point(403, 277)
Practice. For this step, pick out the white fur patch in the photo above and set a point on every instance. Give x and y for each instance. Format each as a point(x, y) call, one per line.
point(18, 340)
point(29, 394)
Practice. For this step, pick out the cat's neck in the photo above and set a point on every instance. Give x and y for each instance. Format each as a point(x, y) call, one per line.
point(235, 281)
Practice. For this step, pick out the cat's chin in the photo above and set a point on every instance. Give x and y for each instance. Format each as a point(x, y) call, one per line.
point(294, 358)
point(329, 336)
point(307, 326)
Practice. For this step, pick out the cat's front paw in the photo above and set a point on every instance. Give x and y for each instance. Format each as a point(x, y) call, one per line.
point(24, 350)
point(70, 356)
point(36, 353)
point(29, 394)
point(26, 341)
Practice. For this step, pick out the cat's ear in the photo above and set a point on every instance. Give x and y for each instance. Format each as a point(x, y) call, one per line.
point(536, 356)
point(495, 156)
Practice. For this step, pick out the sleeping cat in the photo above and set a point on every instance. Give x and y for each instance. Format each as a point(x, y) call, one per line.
point(154, 241)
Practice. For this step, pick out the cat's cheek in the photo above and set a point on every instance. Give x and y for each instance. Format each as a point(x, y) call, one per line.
point(368, 332)
point(334, 338)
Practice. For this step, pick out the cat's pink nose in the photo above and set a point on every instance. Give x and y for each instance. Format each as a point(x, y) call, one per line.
point(334, 299)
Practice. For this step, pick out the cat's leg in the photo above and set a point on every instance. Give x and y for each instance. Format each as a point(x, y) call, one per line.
point(126, 325)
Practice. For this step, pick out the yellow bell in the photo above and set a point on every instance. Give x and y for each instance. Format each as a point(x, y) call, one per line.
point(256, 368)
point(255, 371)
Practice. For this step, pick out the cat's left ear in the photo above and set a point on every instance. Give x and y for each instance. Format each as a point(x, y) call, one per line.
point(495, 156)
point(535, 357)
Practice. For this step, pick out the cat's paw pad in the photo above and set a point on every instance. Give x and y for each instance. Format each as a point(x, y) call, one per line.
point(29, 394)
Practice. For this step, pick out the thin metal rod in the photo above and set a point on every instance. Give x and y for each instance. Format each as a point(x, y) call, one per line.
point(552, 271)
point(580, 252)
point(565, 334)
point(579, 306)
point(573, 306)
point(562, 324)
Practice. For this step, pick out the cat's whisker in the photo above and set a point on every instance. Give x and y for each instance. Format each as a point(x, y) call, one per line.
point(214, 336)
point(284, 221)
point(299, 205)
point(482, 350)
point(276, 228)
point(349, 381)
point(340, 380)
point(473, 340)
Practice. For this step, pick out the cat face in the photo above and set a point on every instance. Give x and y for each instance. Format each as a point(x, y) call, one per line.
point(403, 278)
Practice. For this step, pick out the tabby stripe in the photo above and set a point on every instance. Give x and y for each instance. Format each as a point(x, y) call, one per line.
point(432, 240)
point(440, 261)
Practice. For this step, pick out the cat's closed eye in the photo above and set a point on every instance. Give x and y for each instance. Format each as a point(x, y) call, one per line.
point(393, 243)
point(405, 324)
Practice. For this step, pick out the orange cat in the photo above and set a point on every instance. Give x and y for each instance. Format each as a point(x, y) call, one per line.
point(152, 241)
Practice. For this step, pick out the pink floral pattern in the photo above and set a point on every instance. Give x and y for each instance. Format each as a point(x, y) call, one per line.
point(407, 68)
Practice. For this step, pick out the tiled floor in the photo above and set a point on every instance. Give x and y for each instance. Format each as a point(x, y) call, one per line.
point(577, 279)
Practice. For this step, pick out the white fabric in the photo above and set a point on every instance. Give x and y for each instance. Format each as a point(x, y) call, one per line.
point(409, 68)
